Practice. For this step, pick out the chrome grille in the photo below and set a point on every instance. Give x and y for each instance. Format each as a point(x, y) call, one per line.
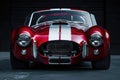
point(59, 48)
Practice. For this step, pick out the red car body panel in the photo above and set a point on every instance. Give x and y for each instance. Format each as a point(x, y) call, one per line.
point(40, 35)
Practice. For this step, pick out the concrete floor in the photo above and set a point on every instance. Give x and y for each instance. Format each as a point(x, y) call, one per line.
point(84, 72)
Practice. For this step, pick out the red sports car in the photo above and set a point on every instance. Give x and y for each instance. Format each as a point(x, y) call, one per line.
point(60, 37)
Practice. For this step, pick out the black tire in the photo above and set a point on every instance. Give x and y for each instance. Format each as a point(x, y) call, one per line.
point(102, 64)
point(18, 64)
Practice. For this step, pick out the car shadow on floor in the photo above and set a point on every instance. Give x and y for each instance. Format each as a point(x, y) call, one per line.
point(6, 66)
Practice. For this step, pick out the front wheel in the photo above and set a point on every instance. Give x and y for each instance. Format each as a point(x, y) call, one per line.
point(18, 64)
point(102, 64)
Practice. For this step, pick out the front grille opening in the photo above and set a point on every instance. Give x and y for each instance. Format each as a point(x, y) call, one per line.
point(59, 48)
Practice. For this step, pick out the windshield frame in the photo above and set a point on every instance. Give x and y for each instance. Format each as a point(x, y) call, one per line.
point(85, 13)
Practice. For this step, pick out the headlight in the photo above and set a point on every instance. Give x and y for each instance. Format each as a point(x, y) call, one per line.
point(96, 40)
point(23, 40)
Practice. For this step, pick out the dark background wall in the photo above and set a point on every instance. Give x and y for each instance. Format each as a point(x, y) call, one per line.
point(13, 14)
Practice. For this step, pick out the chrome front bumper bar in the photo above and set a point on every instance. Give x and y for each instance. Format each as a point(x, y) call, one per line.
point(59, 60)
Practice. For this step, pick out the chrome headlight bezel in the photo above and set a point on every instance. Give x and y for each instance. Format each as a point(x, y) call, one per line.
point(23, 40)
point(96, 40)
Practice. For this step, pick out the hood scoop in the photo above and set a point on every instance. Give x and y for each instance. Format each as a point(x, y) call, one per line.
point(58, 23)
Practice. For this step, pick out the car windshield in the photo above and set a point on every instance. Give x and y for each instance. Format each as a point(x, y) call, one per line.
point(52, 16)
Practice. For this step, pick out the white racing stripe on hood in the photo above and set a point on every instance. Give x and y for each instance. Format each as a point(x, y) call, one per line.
point(65, 32)
point(54, 32)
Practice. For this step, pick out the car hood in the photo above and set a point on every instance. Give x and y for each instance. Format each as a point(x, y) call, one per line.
point(62, 31)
